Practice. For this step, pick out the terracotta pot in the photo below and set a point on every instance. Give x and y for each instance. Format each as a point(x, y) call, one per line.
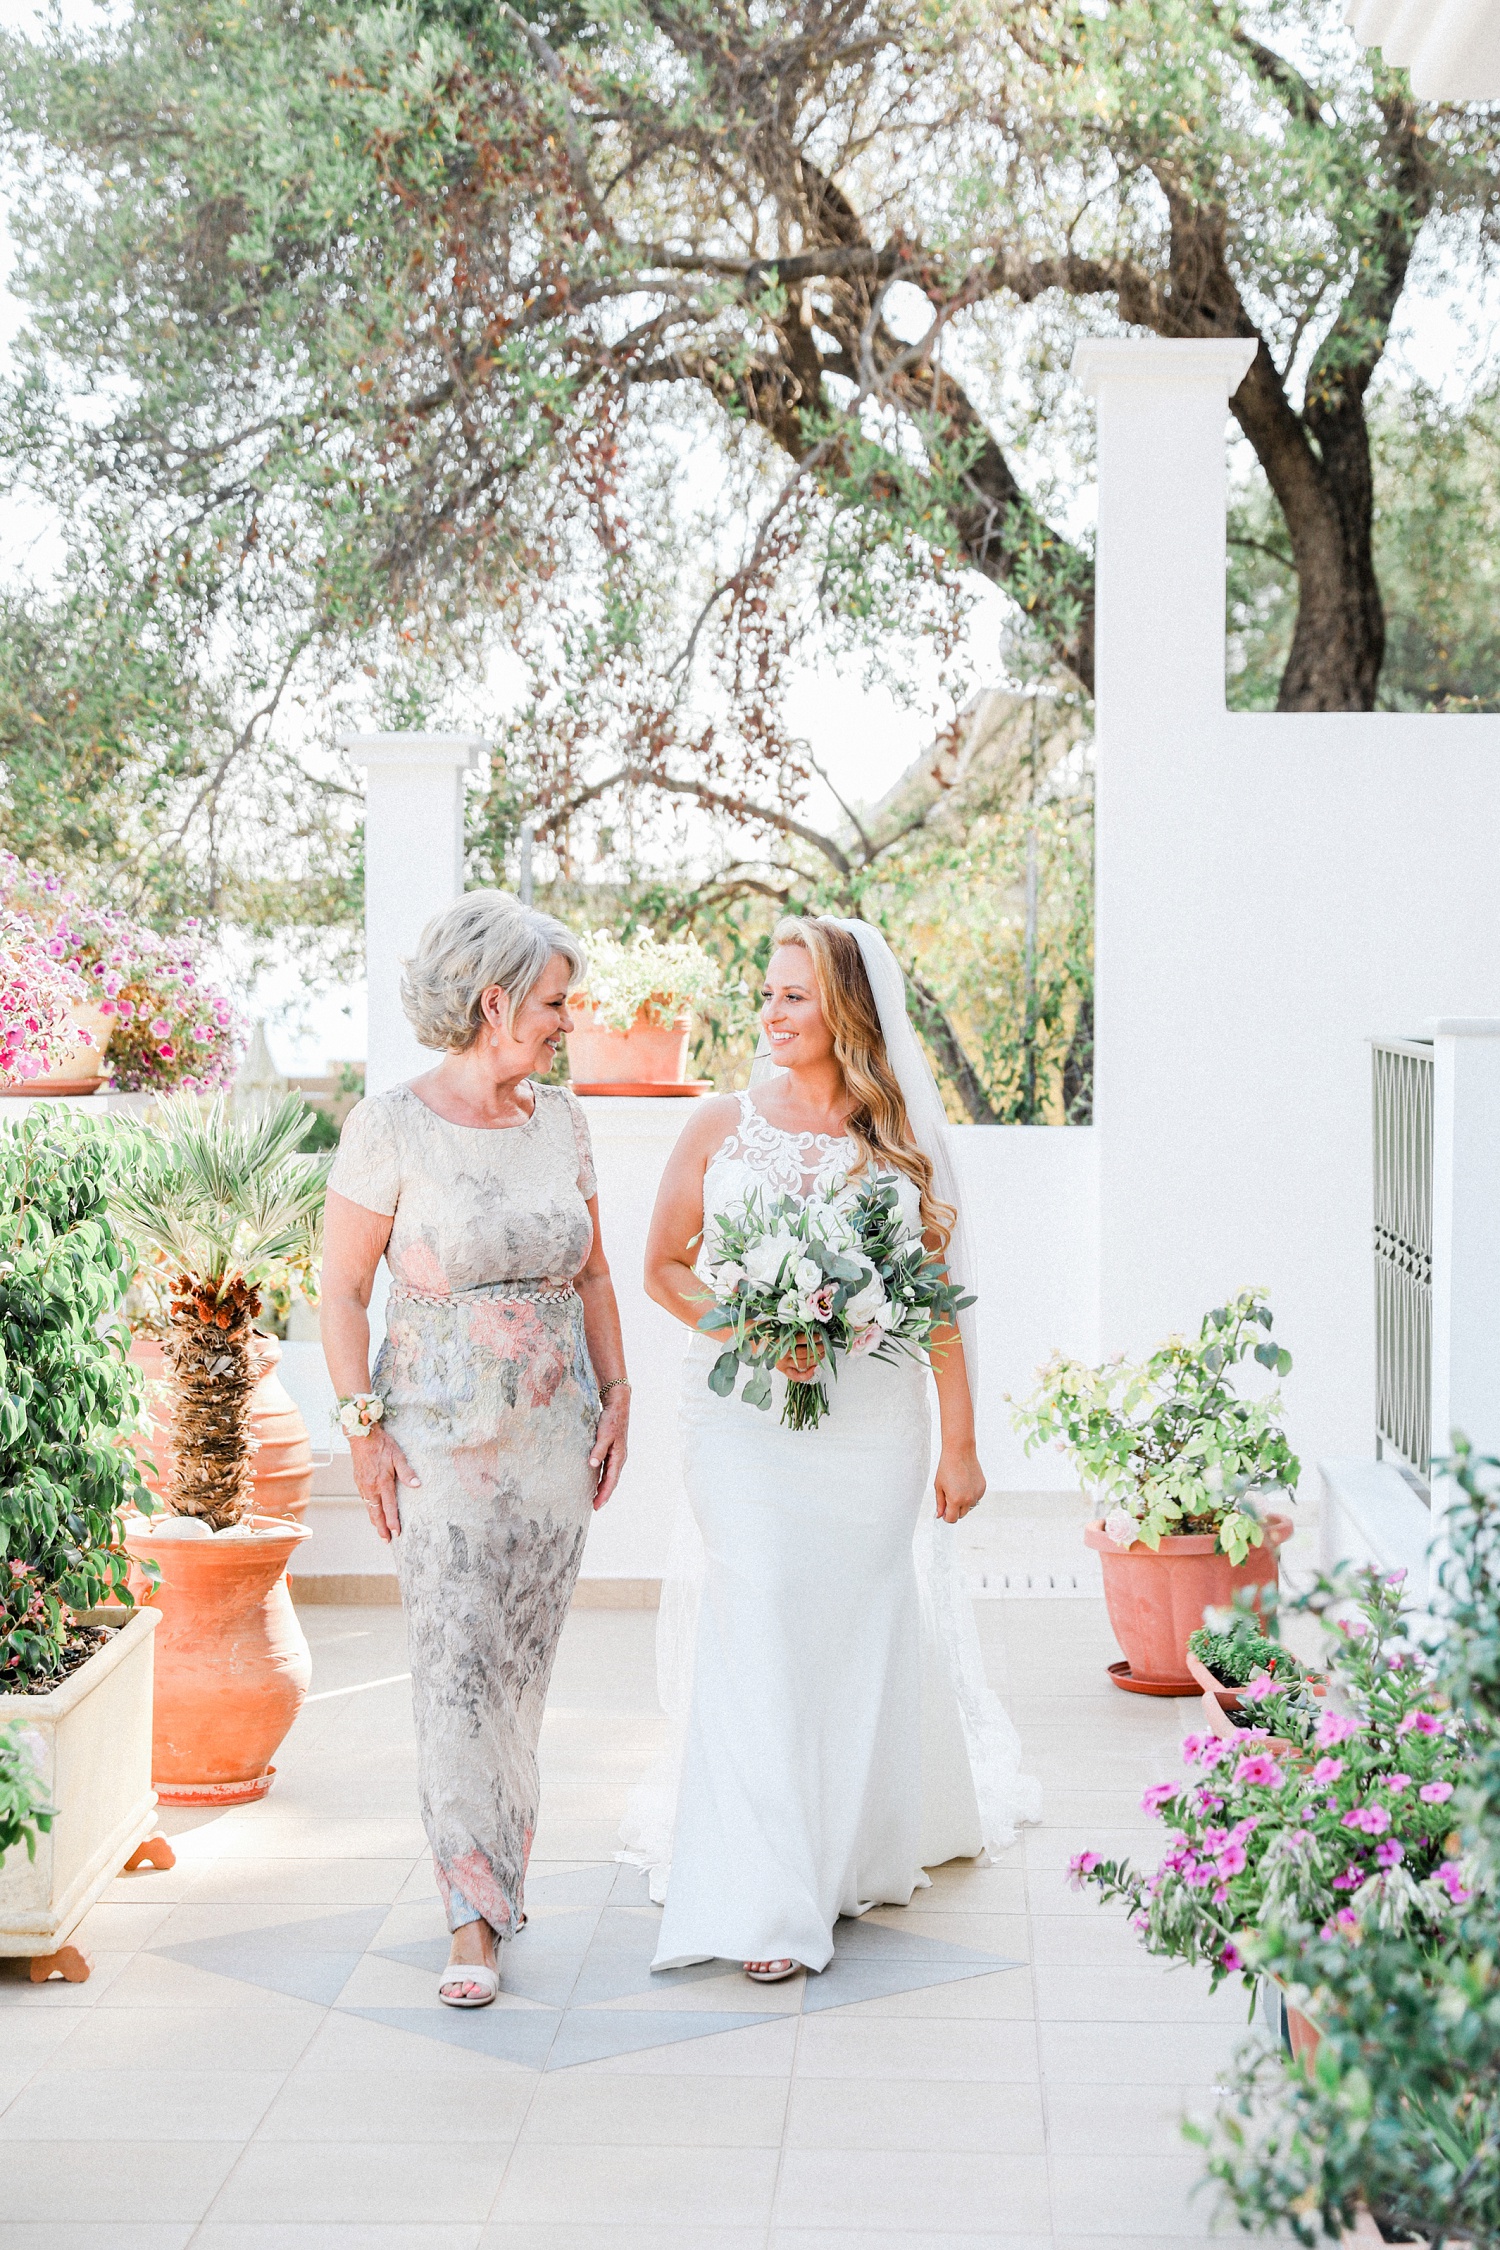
point(1222, 1707)
point(1155, 1600)
point(1304, 2035)
point(648, 1053)
point(78, 1069)
point(283, 1463)
point(232, 1662)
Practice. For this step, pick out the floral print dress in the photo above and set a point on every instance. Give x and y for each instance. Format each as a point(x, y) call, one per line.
point(489, 1392)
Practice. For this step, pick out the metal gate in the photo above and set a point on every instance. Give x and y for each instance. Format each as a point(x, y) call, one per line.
point(1403, 1250)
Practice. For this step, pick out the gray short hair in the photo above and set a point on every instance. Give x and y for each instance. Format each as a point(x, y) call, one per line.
point(484, 939)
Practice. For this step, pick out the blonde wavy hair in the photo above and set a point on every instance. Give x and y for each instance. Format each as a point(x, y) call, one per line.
point(877, 1123)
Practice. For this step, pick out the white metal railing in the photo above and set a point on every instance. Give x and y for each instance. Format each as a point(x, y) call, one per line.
point(1403, 1096)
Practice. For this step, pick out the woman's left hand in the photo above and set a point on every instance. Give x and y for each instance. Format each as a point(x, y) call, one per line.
point(959, 1483)
point(608, 1456)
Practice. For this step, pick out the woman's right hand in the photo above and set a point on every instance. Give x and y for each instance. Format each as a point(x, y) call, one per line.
point(379, 1466)
point(802, 1363)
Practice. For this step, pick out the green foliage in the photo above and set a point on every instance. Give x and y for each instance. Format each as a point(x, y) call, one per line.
point(225, 1200)
point(1243, 1652)
point(1401, 2110)
point(68, 1395)
point(1166, 1445)
point(1345, 1833)
point(24, 1811)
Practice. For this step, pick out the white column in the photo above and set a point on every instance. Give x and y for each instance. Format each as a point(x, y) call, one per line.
point(1160, 571)
point(414, 867)
point(1466, 1234)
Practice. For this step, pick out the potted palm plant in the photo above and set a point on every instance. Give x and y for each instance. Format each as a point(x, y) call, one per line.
point(75, 1677)
point(1182, 1468)
point(221, 1199)
point(633, 1014)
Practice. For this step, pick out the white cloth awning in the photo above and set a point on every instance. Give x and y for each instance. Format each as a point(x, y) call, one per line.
point(1450, 47)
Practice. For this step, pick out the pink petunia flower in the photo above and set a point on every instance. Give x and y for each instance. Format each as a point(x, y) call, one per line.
point(1450, 1875)
point(1435, 1792)
point(1232, 1860)
point(1390, 1853)
point(1334, 1727)
point(1161, 1794)
point(1373, 1819)
point(1259, 1772)
point(1081, 1864)
point(1328, 1769)
point(1230, 1958)
point(1395, 1782)
point(1421, 1722)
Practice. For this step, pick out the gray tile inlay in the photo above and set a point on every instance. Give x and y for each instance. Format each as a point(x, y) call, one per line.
point(586, 1949)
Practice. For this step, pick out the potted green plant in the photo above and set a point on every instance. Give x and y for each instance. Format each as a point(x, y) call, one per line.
point(76, 1679)
point(633, 1013)
point(1181, 1468)
point(1398, 2111)
point(1230, 1658)
point(222, 1199)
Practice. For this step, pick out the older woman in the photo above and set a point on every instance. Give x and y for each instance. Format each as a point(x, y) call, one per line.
point(496, 1420)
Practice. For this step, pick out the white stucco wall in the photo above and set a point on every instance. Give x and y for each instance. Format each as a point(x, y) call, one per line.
point(1272, 891)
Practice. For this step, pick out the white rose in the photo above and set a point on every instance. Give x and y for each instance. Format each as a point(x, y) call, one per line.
point(765, 1259)
point(1122, 1527)
point(867, 1304)
point(887, 1316)
point(830, 1225)
point(807, 1276)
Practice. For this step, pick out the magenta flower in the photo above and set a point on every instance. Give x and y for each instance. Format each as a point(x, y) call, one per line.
point(1259, 1772)
point(167, 1051)
point(1081, 1864)
point(1373, 1819)
point(1259, 1689)
point(1344, 1924)
point(1328, 1769)
point(1390, 1853)
point(1395, 1782)
point(1435, 1792)
point(1161, 1794)
point(1230, 1958)
point(1334, 1727)
point(1421, 1722)
point(1451, 1876)
point(1232, 1860)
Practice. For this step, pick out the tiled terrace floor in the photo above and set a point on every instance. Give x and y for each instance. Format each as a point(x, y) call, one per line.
point(260, 2061)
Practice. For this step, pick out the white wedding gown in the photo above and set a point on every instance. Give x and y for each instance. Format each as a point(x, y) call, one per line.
point(824, 1762)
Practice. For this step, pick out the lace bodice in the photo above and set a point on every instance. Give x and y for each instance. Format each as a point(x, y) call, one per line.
point(761, 1158)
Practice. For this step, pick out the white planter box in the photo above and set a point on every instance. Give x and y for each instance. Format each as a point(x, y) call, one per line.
point(92, 1741)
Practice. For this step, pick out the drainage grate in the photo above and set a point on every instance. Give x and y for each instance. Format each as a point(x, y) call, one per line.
point(1036, 1585)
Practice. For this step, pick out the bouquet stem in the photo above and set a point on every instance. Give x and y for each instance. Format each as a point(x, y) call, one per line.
point(806, 1405)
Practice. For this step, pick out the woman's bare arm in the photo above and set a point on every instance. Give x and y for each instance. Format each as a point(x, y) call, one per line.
point(959, 1483)
point(677, 1221)
point(354, 1241)
point(601, 1325)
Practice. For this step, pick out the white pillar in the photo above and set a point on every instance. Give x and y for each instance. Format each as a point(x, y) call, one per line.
point(1466, 1234)
point(414, 867)
point(1160, 570)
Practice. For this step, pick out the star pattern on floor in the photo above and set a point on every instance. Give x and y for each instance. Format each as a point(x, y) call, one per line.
point(577, 1983)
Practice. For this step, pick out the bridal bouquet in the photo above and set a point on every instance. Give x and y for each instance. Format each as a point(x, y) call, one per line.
point(830, 1277)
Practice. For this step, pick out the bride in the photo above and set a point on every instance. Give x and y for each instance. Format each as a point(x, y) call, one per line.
point(835, 1734)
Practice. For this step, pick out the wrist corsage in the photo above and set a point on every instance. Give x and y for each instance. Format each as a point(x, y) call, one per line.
point(357, 1416)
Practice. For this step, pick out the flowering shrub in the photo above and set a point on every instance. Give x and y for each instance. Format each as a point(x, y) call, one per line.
point(1349, 1830)
point(1167, 1445)
point(1400, 2110)
point(665, 976)
point(169, 1025)
point(67, 1392)
point(37, 994)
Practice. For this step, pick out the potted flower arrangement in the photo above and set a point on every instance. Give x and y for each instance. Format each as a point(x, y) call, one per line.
point(633, 1014)
point(45, 1043)
point(76, 1679)
point(1236, 1665)
point(222, 1199)
point(1398, 2112)
point(1181, 1467)
point(143, 1009)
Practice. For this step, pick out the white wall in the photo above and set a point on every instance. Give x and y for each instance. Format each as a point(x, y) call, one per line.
point(1272, 891)
point(1033, 1195)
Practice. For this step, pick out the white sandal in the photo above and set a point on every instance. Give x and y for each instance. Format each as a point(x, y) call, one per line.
point(469, 1972)
point(776, 1973)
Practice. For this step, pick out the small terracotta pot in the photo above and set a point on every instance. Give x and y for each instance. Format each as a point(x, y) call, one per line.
point(648, 1053)
point(79, 1068)
point(1223, 1709)
point(283, 1462)
point(1304, 2035)
point(232, 1661)
point(1155, 1600)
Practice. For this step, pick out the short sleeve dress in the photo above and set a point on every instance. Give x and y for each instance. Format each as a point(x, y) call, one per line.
point(489, 1392)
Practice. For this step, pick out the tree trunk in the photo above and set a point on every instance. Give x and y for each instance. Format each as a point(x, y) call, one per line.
point(208, 1353)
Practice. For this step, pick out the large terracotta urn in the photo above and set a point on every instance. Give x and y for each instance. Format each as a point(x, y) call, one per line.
point(283, 1461)
point(1155, 1599)
point(232, 1661)
point(649, 1056)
